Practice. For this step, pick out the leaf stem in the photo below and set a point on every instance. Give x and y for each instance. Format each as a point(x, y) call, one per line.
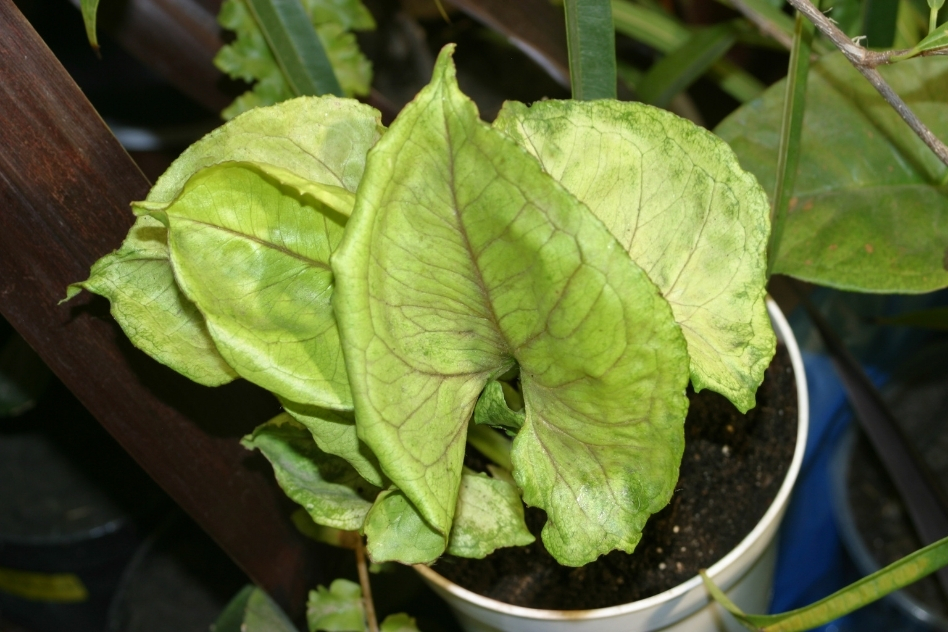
point(791, 130)
point(370, 618)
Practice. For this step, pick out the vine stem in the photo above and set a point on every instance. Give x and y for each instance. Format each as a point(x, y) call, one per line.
point(370, 618)
point(866, 62)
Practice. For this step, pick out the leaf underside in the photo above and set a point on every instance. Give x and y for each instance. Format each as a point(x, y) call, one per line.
point(675, 197)
point(323, 140)
point(462, 257)
point(869, 210)
point(255, 260)
point(327, 487)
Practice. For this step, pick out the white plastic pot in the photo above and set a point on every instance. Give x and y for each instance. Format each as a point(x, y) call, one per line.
point(746, 573)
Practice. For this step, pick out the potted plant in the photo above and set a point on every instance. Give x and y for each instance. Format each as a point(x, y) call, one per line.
point(468, 266)
point(388, 285)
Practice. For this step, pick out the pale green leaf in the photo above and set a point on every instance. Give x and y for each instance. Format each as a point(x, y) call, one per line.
point(322, 140)
point(869, 210)
point(321, 533)
point(676, 199)
point(335, 433)
point(400, 622)
point(396, 532)
point(462, 258)
point(254, 258)
point(339, 609)
point(492, 409)
point(491, 444)
point(489, 516)
point(328, 488)
point(145, 301)
point(249, 57)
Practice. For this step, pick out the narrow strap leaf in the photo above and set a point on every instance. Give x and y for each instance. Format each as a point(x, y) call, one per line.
point(678, 70)
point(89, 10)
point(909, 569)
point(296, 46)
point(790, 133)
point(591, 39)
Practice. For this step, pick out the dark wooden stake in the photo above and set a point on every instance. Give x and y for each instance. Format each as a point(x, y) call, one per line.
point(65, 186)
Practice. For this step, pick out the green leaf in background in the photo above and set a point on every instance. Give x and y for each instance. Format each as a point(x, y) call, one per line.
point(591, 39)
point(335, 432)
point(908, 570)
point(396, 532)
point(679, 203)
point(254, 258)
point(249, 57)
point(324, 140)
point(252, 610)
point(791, 128)
point(869, 211)
point(666, 34)
point(400, 622)
point(89, 10)
point(295, 46)
point(231, 617)
point(328, 488)
point(339, 609)
point(145, 301)
point(492, 409)
point(463, 257)
point(938, 38)
point(489, 517)
point(678, 70)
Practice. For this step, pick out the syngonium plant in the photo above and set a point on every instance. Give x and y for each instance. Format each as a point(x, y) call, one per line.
point(560, 275)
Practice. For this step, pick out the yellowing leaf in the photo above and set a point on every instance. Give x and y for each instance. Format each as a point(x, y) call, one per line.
point(462, 257)
point(678, 201)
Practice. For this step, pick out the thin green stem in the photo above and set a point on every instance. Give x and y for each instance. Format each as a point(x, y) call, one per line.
point(790, 133)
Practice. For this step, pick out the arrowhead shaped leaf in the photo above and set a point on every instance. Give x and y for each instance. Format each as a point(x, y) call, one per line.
point(335, 433)
point(328, 488)
point(338, 609)
point(676, 199)
point(323, 140)
point(253, 255)
point(869, 210)
point(145, 301)
point(463, 257)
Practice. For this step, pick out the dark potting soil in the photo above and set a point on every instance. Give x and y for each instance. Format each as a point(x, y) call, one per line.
point(731, 470)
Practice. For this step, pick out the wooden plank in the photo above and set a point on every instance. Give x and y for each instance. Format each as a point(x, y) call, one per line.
point(65, 185)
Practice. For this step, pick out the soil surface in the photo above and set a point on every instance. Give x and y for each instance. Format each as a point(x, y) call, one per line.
point(732, 468)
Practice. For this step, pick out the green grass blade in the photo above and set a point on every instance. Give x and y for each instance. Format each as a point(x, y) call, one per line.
point(89, 9)
point(789, 156)
point(591, 39)
point(909, 569)
point(679, 70)
point(295, 46)
point(665, 34)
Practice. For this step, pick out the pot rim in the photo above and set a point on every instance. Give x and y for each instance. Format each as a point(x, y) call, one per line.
point(773, 514)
